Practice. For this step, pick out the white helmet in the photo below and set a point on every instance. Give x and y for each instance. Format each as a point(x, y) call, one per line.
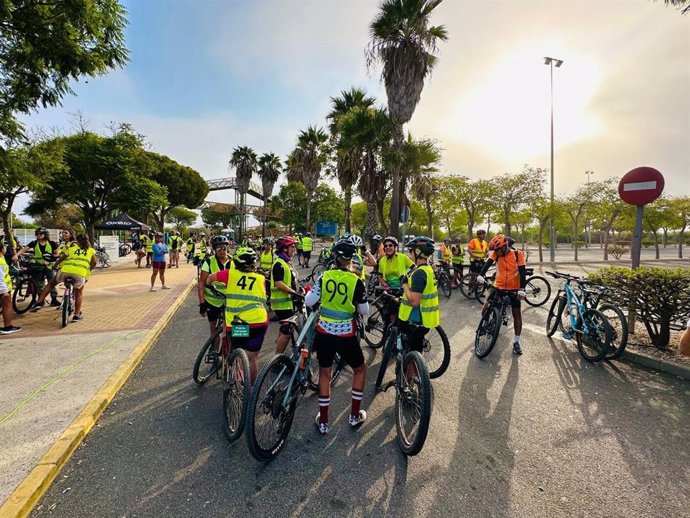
point(356, 240)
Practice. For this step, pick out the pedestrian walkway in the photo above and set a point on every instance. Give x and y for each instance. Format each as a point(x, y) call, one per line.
point(50, 374)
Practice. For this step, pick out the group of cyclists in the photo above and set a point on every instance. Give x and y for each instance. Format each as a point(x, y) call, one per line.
point(49, 264)
point(257, 277)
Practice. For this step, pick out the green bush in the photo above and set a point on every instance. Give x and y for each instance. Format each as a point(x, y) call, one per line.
point(661, 296)
point(617, 251)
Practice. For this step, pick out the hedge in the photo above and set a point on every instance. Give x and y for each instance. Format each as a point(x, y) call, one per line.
point(661, 296)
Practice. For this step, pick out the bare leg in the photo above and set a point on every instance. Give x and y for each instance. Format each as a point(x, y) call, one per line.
point(6, 301)
point(78, 294)
point(282, 342)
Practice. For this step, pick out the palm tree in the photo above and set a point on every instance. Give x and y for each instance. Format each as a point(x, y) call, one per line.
point(403, 41)
point(347, 165)
point(311, 153)
point(424, 186)
point(269, 171)
point(244, 161)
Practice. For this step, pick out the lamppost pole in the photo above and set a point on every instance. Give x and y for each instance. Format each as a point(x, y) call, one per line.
point(552, 252)
point(589, 224)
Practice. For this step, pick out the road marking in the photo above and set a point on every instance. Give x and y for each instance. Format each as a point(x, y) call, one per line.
point(639, 186)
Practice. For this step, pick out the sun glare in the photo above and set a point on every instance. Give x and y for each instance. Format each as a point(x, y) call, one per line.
point(507, 115)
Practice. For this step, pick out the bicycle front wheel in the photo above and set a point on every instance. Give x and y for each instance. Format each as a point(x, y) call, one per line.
point(268, 419)
point(235, 394)
point(436, 352)
point(65, 309)
point(375, 327)
point(207, 362)
point(538, 291)
point(444, 284)
point(619, 330)
point(487, 332)
point(318, 270)
point(387, 355)
point(593, 335)
point(413, 404)
point(554, 317)
point(468, 284)
point(24, 296)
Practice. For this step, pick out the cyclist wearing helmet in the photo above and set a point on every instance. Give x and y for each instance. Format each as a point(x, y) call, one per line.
point(45, 253)
point(149, 249)
point(419, 304)
point(478, 250)
point(445, 254)
point(189, 248)
point(342, 294)
point(284, 288)
point(393, 264)
point(210, 304)
point(307, 247)
point(458, 260)
point(377, 246)
point(361, 258)
point(266, 258)
point(511, 277)
point(200, 249)
point(245, 297)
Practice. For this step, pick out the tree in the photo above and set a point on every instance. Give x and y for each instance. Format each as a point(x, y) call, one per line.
point(514, 191)
point(328, 205)
point(608, 208)
point(403, 41)
point(311, 154)
point(269, 171)
point(63, 216)
point(348, 160)
point(45, 44)
point(219, 219)
point(181, 217)
point(576, 207)
point(292, 198)
point(681, 208)
point(541, 211)
point(682, 5)
point(245, 162)
point(657, 216)
point(419, 157)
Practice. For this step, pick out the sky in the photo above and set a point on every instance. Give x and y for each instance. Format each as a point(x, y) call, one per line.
point(206, 76)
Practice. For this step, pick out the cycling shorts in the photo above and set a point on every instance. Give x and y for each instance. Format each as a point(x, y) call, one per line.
point(348, 347)
point(79, 281)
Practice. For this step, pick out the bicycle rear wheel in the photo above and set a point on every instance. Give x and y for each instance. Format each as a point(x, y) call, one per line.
point(468, 284)
point(318, 270)
point(207, 362)
point(444, 284)
point(24, 296)
point(538, 291)
point(65, 309)
point(413, 404)
point(387, 355)
point(593, 335)
point(436, 352)
point(554, 318)
point(375, 327)
point(480, 292)
point(235, 394)
point(268, 421)
point(619, 330)
point(487, 332)
point(338, 366)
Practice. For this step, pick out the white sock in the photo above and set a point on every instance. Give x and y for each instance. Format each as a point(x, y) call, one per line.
point(516, 338)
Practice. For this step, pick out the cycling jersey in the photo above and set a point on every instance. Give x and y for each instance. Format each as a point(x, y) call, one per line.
point(282, 271)
point(78, 261)
point(477, 249)
point(213, 265)
point(392, 268)
point(507, 269)
point(428, 305)
point(340, 291)
point(190, 245)
point(445, 253)
point(245, 296)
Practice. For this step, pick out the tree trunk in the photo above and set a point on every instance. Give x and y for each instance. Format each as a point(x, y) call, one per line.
point(398, 139)
point(371, 218)
point(430, 217)
point(681, 236)
point(665, 237)
point(656, 244)
point(541, 242)
point(488, 226)
point(308, 213)
point(381, 216)
point(348, 210)
point(575, 228)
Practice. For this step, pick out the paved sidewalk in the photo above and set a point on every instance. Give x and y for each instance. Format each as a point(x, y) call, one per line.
point(50, 374)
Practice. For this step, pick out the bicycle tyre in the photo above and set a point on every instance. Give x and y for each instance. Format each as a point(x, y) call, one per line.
point(199, 377)
point(372, 282)
point(236, 394)
point(436, 368)
point(619, 330)
point(339, 366)
point(313, 374)
point(24, 296)
point(466, 287)
point(590, 344)
point(537, 287)
point(413, 445)
point(318, 269)
point(480, 291)
point(375, 328)
point(444, 284)
point(65, 310)
point(387, 355)
point(489, 326)
point(270, 404)
point(554, 317)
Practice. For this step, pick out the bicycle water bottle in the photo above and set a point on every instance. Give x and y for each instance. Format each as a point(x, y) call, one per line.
point(303, 353)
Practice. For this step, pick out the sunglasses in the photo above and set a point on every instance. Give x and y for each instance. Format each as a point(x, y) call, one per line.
point(388, 246)
point(220, 248)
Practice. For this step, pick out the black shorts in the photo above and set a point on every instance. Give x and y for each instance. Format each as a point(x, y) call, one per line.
point(213, 313)
point(512, 296)
point(254, 342)
point(327, 345)
point(415, 335)
point(283, 314)
point(476, 266)
point(306, 255)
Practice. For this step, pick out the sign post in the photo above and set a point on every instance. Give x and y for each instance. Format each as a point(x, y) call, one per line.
point(404, 218)
point(639, 187)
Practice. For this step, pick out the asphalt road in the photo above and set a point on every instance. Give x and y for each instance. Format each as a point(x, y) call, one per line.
point(543, 435)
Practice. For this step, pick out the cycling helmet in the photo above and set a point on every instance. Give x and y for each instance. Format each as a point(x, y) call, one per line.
point(284, 242)
point(356, 240)
point(268, 240)
point(344, 249)
point(308, 234)
point(40, 230)
point(219, 240)
point(422, 244)
point(377, 238)
point(391, 239)
point(498, 241)
point(481, 231)
point(244, 258)
point(456, 240)
point(447, 240)
point(202, 234)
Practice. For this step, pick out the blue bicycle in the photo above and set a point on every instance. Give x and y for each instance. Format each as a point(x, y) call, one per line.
point(590, 327)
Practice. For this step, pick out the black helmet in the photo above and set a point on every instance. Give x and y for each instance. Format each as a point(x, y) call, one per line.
point(344, 249)
point(481, 231)
point(244, 258)
point(219, 240)
point(391, 239)
point(40, 230)
point(424, 244)
point(510, 241)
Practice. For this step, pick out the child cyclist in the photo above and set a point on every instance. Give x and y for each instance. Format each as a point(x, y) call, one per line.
point(245, 295)
point(342, 294)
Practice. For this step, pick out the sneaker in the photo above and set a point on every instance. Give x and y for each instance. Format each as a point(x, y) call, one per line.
point(37, 306)
point(55, 303)
point(77, 318)
point(165, 287)
point(153, 289)
point(517, 349)
point(323, 427)
point(357, 420)
point(12, 329)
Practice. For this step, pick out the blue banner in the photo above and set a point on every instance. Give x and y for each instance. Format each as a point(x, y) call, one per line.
point(326, 228)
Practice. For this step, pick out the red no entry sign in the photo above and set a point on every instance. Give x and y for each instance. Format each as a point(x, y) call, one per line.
point(641, 186)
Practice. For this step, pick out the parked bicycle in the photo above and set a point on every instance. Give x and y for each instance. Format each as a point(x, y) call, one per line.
point(590, 327)
point(102, 258)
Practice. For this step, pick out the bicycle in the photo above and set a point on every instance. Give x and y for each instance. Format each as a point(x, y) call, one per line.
point(468, 283)
point(537, 288)
point(229, 364)
point(443, 280)
point(68, 302)
point(124, 249)
point(490, 324)
point(372, 282)
point(591, 328)
point(381, 320)
point(321, 267)
point(278, 389)
point(25, 288)
point(412, 391)
point(102, 258)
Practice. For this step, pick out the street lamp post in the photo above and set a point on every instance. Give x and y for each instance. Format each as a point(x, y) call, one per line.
point(589, 223)
point(551, 62)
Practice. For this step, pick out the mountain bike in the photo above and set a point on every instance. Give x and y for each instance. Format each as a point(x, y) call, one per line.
point(443, 280)
point(102, 258)
point(278, 389)
point(321, 267)
point(124, 249)
point(25, 288)
point(231, 365)
point(68, 303)
point(590, 327)
point(490, 324)
point(537, 288)
point(412, 391)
